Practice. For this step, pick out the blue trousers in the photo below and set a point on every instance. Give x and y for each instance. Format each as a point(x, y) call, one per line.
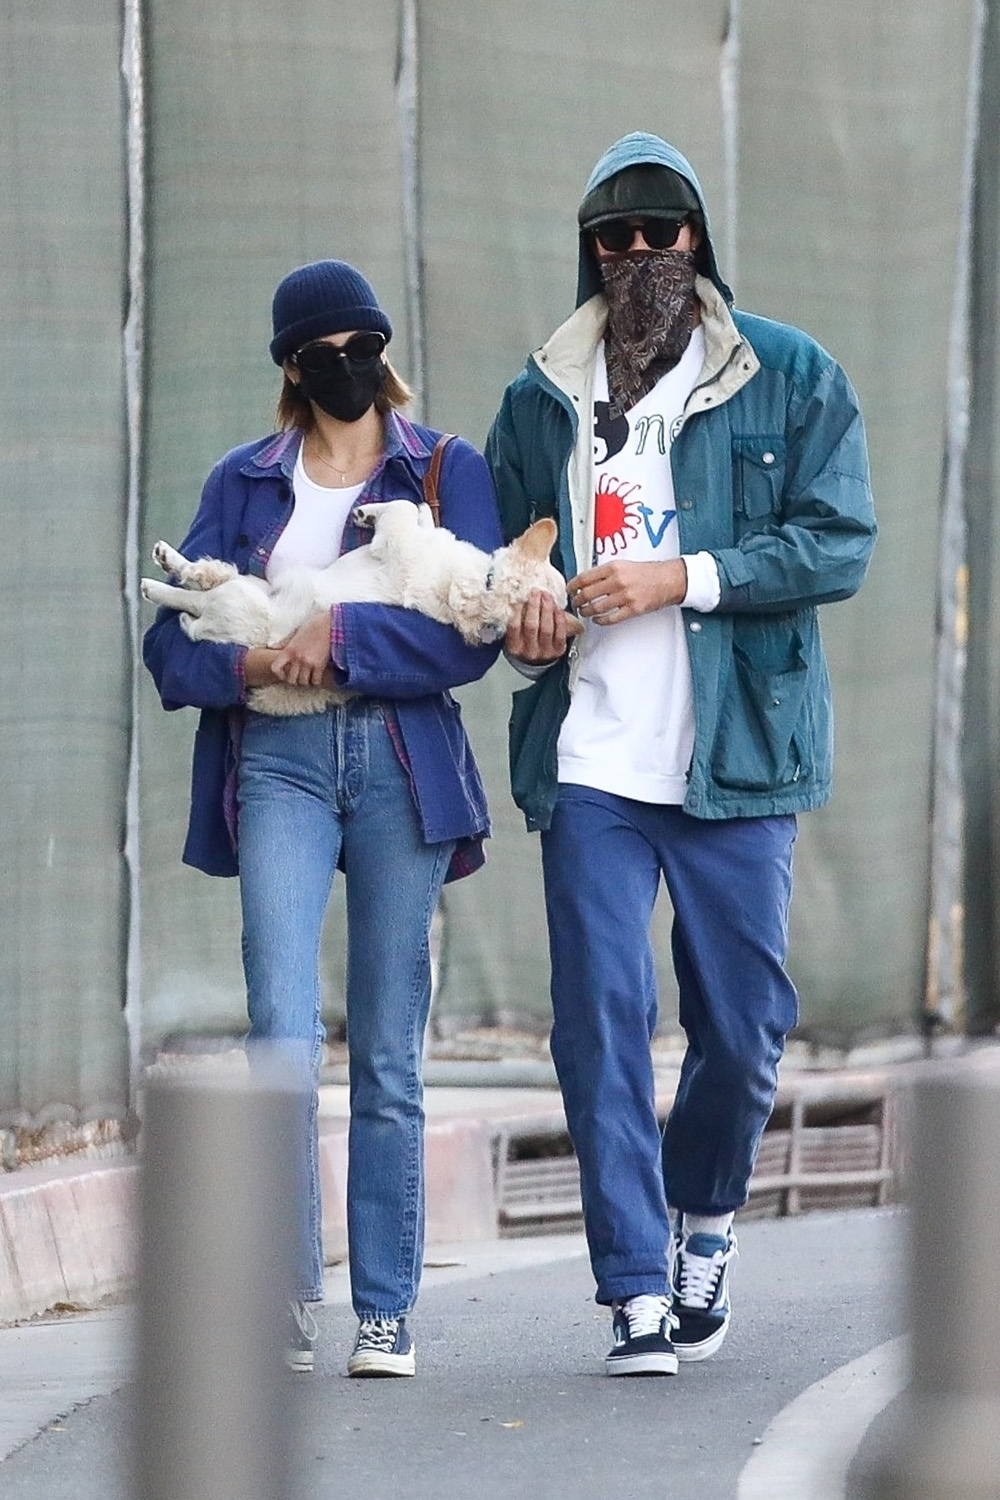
point(730, 884)
point(313, 789)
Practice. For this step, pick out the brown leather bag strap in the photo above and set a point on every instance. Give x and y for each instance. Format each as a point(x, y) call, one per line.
point(433, 475)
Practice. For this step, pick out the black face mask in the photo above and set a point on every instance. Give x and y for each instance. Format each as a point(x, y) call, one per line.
point(346, 391)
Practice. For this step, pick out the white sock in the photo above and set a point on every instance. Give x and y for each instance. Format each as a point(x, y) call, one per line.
point(717, 1224)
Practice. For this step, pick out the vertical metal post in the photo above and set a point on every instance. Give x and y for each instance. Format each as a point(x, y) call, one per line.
point(133, 341)
point(408, 115)
point(798, 1124)
point(946, 1442)
point(215, 1280)
point(944, 1003)
point(729, 96)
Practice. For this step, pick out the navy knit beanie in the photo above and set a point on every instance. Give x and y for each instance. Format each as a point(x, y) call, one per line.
point(326, 297)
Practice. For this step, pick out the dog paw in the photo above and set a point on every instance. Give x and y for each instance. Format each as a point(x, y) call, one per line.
point(167, 558)
point(367, 515)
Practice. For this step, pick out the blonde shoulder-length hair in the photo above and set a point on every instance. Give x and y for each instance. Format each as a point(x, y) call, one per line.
point(294, 410)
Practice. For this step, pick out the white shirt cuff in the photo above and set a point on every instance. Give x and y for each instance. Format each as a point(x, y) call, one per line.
point(530, 669)
point(704, 589)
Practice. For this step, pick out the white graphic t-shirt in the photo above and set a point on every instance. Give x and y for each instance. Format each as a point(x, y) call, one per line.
point(630, 725)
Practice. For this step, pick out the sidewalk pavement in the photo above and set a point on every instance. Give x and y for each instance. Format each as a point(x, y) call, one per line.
point(49, 1367)
point(68, 1232)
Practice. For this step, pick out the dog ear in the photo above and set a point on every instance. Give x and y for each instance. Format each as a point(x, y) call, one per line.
point(537, 542)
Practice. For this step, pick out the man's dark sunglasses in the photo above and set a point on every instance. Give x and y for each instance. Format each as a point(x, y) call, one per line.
point(617, 235)
point(319, 357)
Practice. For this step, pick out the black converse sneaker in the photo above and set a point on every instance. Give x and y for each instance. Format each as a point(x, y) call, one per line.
point(700, 1279)
point(300, 1353)
point(383, 1347)
point(642, 1338)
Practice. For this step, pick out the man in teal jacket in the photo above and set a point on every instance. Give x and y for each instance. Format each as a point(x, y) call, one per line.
point(709, 475)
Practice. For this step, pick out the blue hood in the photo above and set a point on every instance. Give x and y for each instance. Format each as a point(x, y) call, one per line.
point(635, 150)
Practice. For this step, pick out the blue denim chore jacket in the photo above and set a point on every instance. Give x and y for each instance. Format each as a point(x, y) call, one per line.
point(387, 652)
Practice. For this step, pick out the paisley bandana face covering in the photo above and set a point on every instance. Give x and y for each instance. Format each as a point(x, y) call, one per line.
point(651, 303)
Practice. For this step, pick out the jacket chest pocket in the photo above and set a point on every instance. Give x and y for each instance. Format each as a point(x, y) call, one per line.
point(758, 476)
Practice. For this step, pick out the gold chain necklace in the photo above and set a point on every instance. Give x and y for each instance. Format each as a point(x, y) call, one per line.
point(334, 468)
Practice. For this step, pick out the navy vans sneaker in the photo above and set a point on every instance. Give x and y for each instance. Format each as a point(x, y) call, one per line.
point(383, 1347)
point(699, 1276)
point(642, 1338)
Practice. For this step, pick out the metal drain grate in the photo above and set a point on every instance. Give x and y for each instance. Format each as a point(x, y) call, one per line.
point(830, 1154)
point(818, 1152)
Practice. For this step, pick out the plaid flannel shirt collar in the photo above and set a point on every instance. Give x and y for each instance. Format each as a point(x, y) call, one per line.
point(402, 440)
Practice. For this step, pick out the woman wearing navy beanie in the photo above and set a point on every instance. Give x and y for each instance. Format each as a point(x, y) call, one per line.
point(382, 786)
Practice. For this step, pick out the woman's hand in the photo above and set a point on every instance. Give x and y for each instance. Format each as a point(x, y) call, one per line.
point(257, 668)
point(303, 661)
point(617, 591)
point(305, 657)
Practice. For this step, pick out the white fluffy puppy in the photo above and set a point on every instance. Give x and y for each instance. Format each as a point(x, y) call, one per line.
point(409, 562)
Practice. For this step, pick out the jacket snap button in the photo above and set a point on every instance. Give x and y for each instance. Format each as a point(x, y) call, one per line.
point(767, 458)
point(695, 626)
point(686, 504)
point(775, 702)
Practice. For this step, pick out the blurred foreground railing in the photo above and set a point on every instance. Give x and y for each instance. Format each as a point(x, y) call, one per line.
point(215, 1280)
point(944, 1443)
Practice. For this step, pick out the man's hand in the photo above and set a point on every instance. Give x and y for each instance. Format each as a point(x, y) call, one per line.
point(617, 591)
point(538, 635)
point(304, 659)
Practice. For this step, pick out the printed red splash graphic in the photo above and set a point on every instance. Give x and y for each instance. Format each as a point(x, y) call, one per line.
point(616, 516)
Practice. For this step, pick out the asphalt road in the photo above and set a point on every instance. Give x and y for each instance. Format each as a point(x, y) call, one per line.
point(510, 1398)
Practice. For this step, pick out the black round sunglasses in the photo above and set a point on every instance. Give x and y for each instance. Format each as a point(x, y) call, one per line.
point(318, 357)
point(617, 235)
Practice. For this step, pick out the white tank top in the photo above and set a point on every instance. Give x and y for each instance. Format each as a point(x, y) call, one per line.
point(315, 528)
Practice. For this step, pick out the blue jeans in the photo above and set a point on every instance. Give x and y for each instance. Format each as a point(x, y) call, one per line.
point(314, 790)
point(730, 883)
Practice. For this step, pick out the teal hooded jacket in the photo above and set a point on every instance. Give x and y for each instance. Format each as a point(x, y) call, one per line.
point(770, 473)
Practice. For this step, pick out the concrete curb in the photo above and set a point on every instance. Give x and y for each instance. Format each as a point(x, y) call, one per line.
point(458, 1165)
point(68, 1234)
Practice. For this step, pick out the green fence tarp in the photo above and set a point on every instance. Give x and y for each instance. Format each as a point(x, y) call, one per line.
point(831, 142)
point(64, 663)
